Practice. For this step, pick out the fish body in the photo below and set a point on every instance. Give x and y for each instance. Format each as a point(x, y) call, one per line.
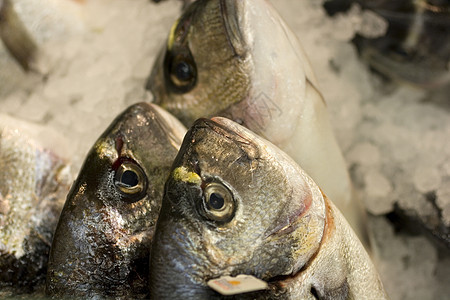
point(236, 204)
point(239, 59)
point(102, 240)
point(33, 185)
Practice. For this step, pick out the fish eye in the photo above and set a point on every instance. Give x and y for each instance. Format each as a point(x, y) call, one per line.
point(218, 203)
point(131, 181)
point(181, 72)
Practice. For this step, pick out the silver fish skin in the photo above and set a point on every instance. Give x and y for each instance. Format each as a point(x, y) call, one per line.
point(34, 182)
point(102, 241)
point(240, 60)
point(236, 204)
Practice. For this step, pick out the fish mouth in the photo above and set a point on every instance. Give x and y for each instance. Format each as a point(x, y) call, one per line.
point(169, 124)
point(142, 113)
point(141, 107)
point(231, 12)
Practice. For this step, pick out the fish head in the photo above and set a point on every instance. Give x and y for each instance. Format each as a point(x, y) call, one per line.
point(107, 223)
point(236, 59)
point(233, 204)
point(202, 69)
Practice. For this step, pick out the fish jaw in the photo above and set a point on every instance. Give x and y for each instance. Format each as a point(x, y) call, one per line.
point(102, 241)
point(341, 268)
point(192, 249)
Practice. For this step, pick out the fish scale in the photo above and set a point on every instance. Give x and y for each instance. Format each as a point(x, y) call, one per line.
point(33, 186)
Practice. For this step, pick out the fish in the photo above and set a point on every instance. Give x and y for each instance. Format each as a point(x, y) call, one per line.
point(30, 29)
point(415, 49)
point(235, 204)
point(240, 60)
point(34, 182)
point(101, 244)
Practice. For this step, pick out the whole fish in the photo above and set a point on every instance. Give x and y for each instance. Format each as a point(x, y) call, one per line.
point(415, 48)
point(235, 204)
point(102, 241)
point(34, 182)
point(27, 27)
point(239, 59)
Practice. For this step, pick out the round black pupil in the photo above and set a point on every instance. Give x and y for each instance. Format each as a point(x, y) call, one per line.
point(129, 178)
point(183, 71)
point(216, 201)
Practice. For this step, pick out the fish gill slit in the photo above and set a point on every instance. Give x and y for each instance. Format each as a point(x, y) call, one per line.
point(223, 11)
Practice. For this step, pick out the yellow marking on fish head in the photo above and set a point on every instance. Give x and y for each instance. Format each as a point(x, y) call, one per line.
point(182, 174)
point(105, 149)
point(171, 38)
